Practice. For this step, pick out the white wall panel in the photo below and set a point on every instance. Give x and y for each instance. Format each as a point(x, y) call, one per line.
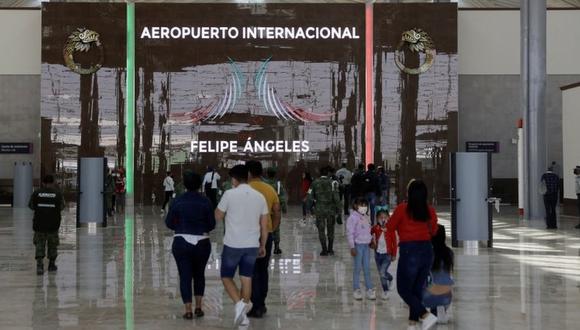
point(20, 32)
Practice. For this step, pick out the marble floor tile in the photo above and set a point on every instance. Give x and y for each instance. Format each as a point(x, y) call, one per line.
point(124, 277)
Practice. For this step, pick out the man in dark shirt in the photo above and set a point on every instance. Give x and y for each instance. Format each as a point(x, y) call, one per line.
point(551, 191)
point(47, 203)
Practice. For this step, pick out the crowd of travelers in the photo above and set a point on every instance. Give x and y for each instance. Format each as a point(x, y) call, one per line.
point(251, 204)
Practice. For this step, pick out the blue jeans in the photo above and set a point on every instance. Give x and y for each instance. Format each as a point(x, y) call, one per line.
point(432, 301)
point(362, 262)
point(383, 261)
point(372, 200)
point(415, 261)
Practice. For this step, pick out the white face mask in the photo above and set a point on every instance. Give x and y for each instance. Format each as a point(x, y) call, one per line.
point(362, 209)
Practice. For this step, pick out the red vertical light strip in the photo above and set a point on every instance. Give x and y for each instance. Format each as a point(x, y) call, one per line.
point(369, 105)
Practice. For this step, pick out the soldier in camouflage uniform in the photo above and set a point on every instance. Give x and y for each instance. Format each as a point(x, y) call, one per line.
point(326, 206)
point(47, 203)
point(277, 185)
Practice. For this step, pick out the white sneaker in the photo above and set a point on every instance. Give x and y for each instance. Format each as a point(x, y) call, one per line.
point(442, 317)
point(302, 223)
point(385, 295)
point(245, 321)
point(239, 312)
point(357, 294)
point(428, 322)
point(371, 294)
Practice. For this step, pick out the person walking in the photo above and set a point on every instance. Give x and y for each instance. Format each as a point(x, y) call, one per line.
point(438, 294)
point(191, 217)
point(306, 203)
point(577, 185)
point(415, 223)
point(357, 183)
point(385, 186)
point(260, 279)
point(169, 187)
point(210, 185)
point(47, 204)
point(358, 234)
point(326, 205)
point(110, 192)
point(550, 187)
point(372, 189)
point(344, 177)
point(120, 190)
point(281, 191)
point(246, 218)
point(382, 258)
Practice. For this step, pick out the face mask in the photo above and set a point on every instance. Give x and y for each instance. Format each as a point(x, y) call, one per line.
point(362, 209)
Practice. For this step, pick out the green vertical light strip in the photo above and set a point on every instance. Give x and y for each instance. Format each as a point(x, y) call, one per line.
point(129, 168)
point(128, 284)
point(130, 102)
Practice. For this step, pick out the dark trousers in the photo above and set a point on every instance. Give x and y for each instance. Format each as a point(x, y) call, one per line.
point(261, 277)
point(550, 202)
point(191, 261)
point(415, 261)
point(212, 195)
point(46, 244)
point(372, 200)
point(168, 196)
point(346, 199)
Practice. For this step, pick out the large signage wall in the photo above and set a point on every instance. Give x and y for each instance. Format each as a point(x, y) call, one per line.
point(216, 84)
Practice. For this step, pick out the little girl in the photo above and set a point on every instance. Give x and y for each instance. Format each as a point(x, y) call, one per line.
point(379, 243)
point(358, 233)
point(438, 294)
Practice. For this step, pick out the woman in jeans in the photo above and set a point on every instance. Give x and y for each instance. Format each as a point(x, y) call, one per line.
point(416, 223)
point(191, 217)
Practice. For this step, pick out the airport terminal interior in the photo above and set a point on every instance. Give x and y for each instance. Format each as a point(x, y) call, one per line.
point(127, 127)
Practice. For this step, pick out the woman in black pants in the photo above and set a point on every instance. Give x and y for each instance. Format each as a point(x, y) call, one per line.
point(191, 216)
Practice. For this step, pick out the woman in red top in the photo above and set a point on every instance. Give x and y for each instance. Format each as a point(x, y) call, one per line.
point(416, 223)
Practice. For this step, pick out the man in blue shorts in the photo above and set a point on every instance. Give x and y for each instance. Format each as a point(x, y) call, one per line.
point(246, 217)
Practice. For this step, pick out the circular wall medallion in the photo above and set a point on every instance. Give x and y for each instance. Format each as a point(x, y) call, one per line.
point(417, 41)
point(82, 40)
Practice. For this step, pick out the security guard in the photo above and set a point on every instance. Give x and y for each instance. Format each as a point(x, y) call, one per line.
point(326, 206)
point(47, 203)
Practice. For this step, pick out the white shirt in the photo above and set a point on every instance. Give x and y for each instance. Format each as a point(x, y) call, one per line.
point(207, 179)
point(346, 175)
point(168, 184)
point(382, 244)
point(191, 239)
point(243, 207)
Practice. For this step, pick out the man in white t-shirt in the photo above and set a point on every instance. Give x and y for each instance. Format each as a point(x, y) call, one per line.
point(246, 218)
point(210, 185)
point(169, 187)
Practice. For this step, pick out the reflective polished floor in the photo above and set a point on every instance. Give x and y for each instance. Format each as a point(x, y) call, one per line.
point(124, 277)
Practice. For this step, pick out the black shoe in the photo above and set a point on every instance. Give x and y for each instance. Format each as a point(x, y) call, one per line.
point(264, 310)
point(339, 220)
point(552, 228)
point(52, 267)
point(188, 316)
point(277, 251)
point(256, 313)
point(324, 253)
point(39, 268)
point(199, 312)
point(331, 253)
point(577, 226)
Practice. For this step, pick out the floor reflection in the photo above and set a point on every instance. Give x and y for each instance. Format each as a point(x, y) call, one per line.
point(124, 276)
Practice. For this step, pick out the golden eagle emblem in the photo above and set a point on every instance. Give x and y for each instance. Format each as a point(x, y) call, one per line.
point(416, 41)
point(82, 40)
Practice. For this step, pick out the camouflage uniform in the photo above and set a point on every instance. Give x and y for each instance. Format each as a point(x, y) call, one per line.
point(279, 188)
point(47, 204)
point(327, 205)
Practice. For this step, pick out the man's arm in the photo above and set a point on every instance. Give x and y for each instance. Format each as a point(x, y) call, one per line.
point(264, 234)
point(219, 214)
point(276, 216)
point(32, 201)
